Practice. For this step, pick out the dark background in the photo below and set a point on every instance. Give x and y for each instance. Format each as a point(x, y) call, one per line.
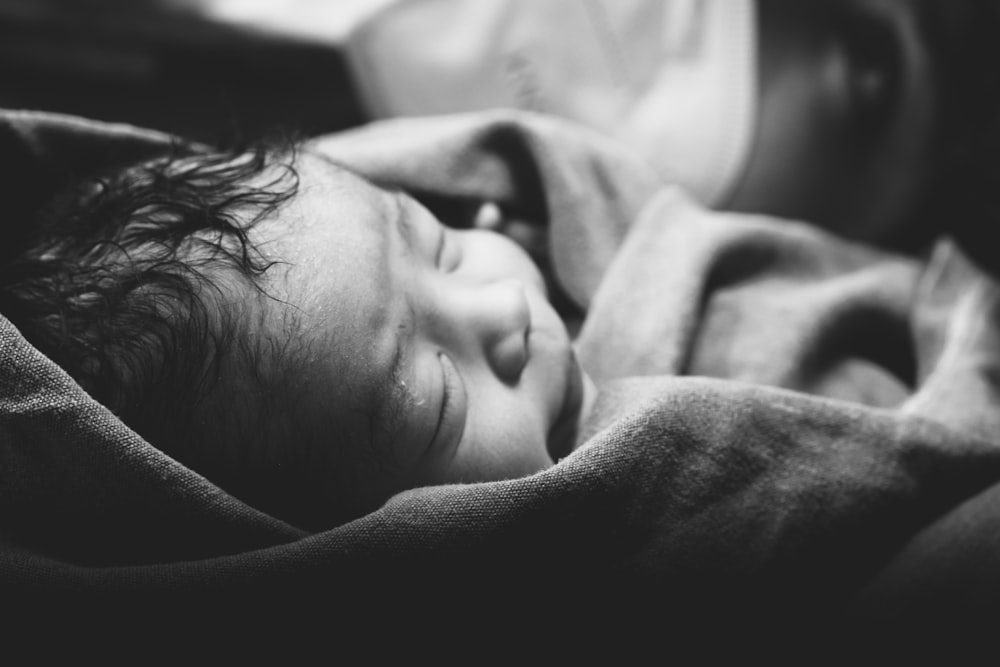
point(160, 66)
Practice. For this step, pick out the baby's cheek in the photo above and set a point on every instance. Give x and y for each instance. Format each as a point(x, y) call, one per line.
point(505, 435)
point(513, 444)
point(531, 238)
point(491, 256)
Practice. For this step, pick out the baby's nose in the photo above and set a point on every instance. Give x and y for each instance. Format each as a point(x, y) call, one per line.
point(505, 323)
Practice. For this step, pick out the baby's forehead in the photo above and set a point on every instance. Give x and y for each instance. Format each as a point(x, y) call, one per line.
point(317, 168)
point(327, 193)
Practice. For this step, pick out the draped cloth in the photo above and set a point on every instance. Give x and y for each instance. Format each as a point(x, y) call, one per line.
point(787, 424)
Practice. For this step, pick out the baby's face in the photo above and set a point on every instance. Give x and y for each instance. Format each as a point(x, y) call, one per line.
point(431, 355)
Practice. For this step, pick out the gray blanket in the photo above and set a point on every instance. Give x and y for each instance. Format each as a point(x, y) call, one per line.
point(788, 424)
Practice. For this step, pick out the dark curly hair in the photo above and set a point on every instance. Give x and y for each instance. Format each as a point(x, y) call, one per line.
point(127, 284)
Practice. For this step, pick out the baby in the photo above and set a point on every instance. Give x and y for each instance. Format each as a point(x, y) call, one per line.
point(310, 342)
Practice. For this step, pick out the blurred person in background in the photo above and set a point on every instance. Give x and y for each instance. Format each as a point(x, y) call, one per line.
point(870, 118)
point(861, 116)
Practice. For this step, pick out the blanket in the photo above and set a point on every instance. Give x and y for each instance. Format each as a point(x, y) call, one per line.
point(789, 426)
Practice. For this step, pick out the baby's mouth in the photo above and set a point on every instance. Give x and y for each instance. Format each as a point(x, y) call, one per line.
point(562, 435)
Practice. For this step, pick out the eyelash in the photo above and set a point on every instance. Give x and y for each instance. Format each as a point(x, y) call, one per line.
point(450, 389)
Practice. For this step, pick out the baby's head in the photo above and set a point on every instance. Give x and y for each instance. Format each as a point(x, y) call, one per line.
point(309, 341)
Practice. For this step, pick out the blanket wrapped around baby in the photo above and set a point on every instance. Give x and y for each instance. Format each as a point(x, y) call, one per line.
point(788, 424)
